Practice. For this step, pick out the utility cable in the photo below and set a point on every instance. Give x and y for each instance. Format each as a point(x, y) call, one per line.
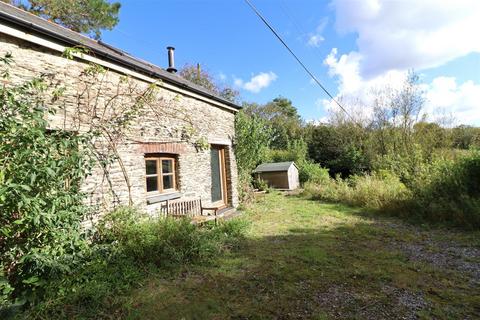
point(297, 58)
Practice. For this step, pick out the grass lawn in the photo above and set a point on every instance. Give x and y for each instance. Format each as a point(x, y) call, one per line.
point(311, 260)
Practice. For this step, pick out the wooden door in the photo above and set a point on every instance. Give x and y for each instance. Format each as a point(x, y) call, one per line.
point(218, 174)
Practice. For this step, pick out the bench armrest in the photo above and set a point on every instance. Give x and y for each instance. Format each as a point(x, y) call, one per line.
point(210, 208)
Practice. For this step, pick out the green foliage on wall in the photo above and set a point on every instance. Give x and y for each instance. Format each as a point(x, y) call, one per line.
point(41, 204)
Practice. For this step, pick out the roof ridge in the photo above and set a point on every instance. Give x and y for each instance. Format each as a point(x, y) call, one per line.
point(22, 17)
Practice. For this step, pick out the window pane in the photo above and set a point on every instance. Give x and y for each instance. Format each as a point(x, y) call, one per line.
point(152, 184)
point(167, 166)
point(151, 166)
point(168, 182)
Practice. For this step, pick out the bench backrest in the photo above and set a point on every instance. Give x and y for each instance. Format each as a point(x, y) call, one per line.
point(188, 208)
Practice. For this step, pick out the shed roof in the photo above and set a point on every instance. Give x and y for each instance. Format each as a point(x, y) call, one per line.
point(276, 166)
point(26, 20)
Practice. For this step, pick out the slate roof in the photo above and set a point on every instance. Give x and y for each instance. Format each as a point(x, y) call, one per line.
point(276, 166)
point(25, 20)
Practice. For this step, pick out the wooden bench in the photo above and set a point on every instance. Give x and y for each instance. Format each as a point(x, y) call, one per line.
point(191, 208)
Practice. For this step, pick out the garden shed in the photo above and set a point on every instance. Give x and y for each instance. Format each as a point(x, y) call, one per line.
point(279, 175)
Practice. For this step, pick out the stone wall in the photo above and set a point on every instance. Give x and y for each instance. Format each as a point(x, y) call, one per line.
point(170, 122)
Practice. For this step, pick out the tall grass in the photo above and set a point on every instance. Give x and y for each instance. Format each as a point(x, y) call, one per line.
point(374, 191)
point(451, 192)
point(127, 248)
point(444, 191)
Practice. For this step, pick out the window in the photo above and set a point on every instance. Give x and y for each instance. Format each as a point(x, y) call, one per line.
point(160, 174)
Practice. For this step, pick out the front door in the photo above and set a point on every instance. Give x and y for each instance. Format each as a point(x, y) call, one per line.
point(219, 179)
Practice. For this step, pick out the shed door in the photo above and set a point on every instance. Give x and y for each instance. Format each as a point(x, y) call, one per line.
point(219, 184)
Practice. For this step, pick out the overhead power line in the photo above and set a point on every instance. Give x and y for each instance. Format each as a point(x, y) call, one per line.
point(298, 59)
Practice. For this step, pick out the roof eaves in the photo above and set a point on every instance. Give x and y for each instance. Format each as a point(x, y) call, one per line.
point(274, 167)
point(122, 58)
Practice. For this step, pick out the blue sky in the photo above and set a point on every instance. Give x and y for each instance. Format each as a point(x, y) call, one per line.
point(351, 46)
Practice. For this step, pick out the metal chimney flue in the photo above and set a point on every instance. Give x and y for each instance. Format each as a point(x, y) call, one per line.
point(171, 60)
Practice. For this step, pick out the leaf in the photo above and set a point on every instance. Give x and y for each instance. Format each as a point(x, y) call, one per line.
point(50, 171)
point(25, 187)
point(32, 280)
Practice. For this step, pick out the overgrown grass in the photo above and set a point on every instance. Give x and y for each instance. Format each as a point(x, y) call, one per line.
point(300, 259)
point(442, 192)
point(305, 259)
point(373, 191)
point(128, 248)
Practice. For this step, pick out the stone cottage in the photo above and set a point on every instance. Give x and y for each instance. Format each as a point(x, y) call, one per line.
point(161, 137)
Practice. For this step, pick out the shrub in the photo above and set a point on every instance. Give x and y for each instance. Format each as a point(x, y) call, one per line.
point(312, 172)
point(161, 242)
point(296, 151)
point(127, 247)
point(442, 192)
point(41, 205)
point(450, 192)
point(379, 190)
point(374, 191)
point(252, 138)
point(260, 184)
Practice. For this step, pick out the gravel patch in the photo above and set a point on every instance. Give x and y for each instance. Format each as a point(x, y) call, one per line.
point(341, 303)
point(440, 254)
point(399, 303)
point(406, 301)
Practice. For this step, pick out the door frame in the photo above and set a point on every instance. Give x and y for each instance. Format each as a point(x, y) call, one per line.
point(222, 203)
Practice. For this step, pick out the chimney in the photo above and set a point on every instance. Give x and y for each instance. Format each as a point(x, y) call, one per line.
point(171, 61)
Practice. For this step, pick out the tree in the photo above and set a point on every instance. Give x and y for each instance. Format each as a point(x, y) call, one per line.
point(85, 16)
point(430, 136)
point(407, 105)
point(284, 119)
point(464, 137)
point(204, 79)
point(252, 139)
point(335, 148)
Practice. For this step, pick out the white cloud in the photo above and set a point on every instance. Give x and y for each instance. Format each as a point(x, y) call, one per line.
point(257, 82)
point(444, 95)
point(410, 33)
point(462, 101)
point(315, 38)
point(394, 36)
point(350, 82)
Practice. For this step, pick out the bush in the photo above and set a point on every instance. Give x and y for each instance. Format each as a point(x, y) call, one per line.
point(296, 151)
point(312, 172)
point(374, 191)
point(41, 205)
point(260, 184)
point(161, 242)
point(449, 192)
point(252, 138)
point(442, 192)
point(127, 247)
